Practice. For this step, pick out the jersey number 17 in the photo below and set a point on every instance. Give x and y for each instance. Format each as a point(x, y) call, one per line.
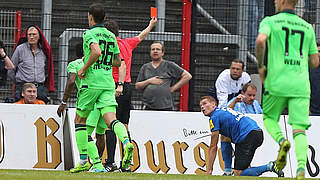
point(293, 32)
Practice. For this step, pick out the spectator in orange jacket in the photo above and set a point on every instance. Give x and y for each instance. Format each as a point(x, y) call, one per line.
point(29, 94)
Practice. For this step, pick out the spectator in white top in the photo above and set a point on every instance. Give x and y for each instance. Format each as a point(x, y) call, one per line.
point(229, 83)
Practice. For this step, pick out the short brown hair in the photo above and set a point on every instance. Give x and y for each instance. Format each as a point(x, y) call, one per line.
point(293, 2)
point(28, 85)
point(97, 11)
point(245, 87)
point(209, 98)
point(158, 42)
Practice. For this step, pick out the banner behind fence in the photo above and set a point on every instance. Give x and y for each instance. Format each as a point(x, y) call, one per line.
point(34, 137)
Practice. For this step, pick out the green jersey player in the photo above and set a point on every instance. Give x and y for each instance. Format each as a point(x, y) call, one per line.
point(95, 120)
point(291, 45)
point(97, 86)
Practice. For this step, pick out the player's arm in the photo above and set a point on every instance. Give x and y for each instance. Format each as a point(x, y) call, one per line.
point(147, 30)
point(122, 75)
point(185, 77)
point(122, 71)
point(69, 87)
point(94, 56)
point(314, 60)
point(116, 61)
point(260, 52)
point(212, 151)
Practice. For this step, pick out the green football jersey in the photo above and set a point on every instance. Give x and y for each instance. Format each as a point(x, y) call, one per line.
point(290, 41)
point(74, 67)
point(99, 74)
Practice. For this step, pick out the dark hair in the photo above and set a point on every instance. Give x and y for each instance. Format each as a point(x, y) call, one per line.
point(209, 98)
point(238, 61)
point(245, 87)
point(97, 11)
point(158, 42)
point(1, 44)
point(112, 26)
point(79, 49)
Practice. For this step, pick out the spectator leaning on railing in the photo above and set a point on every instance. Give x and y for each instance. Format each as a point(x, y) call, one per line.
point(246, 101)
point(29, 94)
point(229, 83)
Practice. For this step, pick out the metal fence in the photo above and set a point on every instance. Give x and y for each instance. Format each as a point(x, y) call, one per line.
point(7, 36)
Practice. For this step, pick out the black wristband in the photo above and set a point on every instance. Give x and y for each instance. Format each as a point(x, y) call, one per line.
point(120, 83)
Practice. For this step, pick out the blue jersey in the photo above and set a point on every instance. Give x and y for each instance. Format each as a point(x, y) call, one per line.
point(232, 124)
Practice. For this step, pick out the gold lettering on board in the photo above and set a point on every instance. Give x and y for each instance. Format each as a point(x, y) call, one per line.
point(199, 160)
point(161, 154)
point(178, 147)
point(43, 140)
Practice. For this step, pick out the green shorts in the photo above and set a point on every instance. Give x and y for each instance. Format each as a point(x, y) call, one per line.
point(96, 120)
point(101, 98)
point(298, 108)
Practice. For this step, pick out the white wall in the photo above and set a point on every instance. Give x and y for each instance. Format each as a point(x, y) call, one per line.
point(178, 141)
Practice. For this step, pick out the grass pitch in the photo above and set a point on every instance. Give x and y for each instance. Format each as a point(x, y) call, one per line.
point(65, 175)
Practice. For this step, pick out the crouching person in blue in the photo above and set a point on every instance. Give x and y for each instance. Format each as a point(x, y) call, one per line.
point(242, 131)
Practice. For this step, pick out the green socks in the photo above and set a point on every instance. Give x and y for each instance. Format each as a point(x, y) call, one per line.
point(82, 141)
point(92, 149)
point(301, 147)
point(273, 129)
point(120, 130)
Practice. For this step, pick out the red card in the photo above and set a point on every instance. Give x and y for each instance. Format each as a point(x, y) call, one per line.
point(153, 12)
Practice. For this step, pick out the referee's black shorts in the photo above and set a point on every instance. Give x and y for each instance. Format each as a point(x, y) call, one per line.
point(245, 150)
point(124, 104)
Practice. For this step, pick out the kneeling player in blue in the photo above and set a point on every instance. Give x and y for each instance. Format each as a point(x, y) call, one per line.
point(242, 131)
